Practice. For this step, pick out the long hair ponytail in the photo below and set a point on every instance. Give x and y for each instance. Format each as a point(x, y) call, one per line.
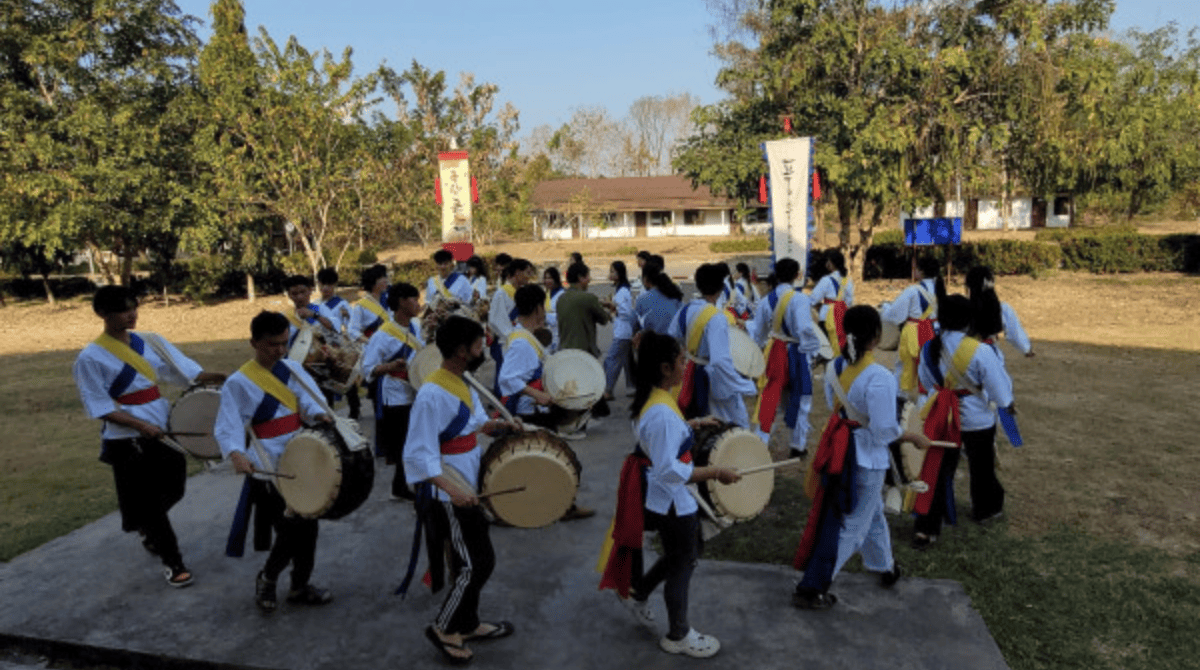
point(862, 325)
point(954, 314)
point(652, 352)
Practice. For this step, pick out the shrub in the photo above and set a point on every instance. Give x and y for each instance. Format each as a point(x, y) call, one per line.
point(1184, 249)
point(736, 246)
point(368, 256)
point(889, 236)
point(626, 250)
point(413, 272)
point(33, 289)
point(1009, 257)
point(1119, 252)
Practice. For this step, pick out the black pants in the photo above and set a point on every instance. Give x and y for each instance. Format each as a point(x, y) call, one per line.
point(393, 430)
point(295, 537)
point(472, 560)
point(352, 400)
point(150, 478)
point(680, 537)
point(987, 496)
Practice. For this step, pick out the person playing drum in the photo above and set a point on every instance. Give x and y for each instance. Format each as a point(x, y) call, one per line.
point(788, 325)
point(385, 361)
point(831, 296)
point(369, 312)
point(849, 468)
point(441, 461)
point(118, 376)
point(299, 290)
point(963, 376)
point(339, 309)
point(266, 399)
point(502, 312)
point(448, 285)
point(714, 387)
point(520, 377)
point(663, 459)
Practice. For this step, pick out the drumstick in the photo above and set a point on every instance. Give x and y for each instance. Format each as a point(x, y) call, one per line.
point(769, 466)
point(274, 474)
point(487, 396)
point(501, 492)
point(944, 445)
point(186, 433)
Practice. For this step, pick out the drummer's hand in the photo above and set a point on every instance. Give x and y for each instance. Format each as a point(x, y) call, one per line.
point(728, 476)
point(211, 378)
point(398, 365)
point(703, 422)
point(241, 464)
point(149, 430)
point(540, 397)
point(1012, 409)
point(461, 499)
point(304, 312)
point(323, 418)
point(920, 441)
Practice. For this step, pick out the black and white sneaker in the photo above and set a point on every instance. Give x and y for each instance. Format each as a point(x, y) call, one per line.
point(178, 576)
point(264, 594)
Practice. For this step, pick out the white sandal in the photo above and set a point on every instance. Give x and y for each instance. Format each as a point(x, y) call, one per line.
point(693, 644)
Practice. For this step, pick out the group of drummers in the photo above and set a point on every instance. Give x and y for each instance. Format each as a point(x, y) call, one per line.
point(700, 457)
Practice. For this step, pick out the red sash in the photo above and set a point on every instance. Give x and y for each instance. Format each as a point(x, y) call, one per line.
point(829, 459)
point(140, 397)
point(459, 445)
point(943, 424)
point(276, 427)
point(686, 386)
point(628, 526)
point(399, 374)
point(535, 384)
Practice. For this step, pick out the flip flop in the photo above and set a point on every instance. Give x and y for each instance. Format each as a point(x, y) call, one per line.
point(499, 630)
point(445, 647)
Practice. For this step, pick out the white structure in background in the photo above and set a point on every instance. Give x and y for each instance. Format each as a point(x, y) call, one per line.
point(622, 207)
point(986, 213)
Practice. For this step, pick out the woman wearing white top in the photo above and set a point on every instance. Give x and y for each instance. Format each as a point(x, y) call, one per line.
point(666, 438)
point(552, 281)
point(478, 276)
point(850, 518)
point(622, 308)
point(834, 287)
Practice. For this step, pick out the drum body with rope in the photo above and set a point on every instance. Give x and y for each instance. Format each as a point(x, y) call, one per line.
point(575, 381)
point(330, 480)
point(748, 357)
point(334, 365)
point(728, 446)
point(540, 462)
point(889, 338)
point(196, 412)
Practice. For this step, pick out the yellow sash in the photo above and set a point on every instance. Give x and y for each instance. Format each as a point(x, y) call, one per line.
point(509, 289)
point(392, 328)
point(371, 305)
point(850, 374)
point(453, 384)
point(781, 311)
point(956, 376)
point(549, 303)
point(696, 332)
point(270, 384)
point(661, 397)
point(521, 333)
point(127, 355)
point(296, 321)
point(441, 287)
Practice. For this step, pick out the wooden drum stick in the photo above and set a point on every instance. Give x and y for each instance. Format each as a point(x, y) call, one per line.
point(769, 466)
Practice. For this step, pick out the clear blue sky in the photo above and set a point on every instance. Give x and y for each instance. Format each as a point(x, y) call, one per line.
point(549, 57)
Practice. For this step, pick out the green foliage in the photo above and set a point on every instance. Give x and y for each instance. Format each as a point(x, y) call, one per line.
point(1060, 234)
point(745, 245)
point(627, 250)
point(890, 236)
point(414, 272)
point(368, 256)
point(1120, 252)
point(1005, 257)
point(204, 277)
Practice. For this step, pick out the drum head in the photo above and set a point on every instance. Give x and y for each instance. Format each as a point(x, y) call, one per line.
point(544, 465)
point(317, 466)
point(574, 379)
point(299, 350)
point(425, 363)
point(196, 412)
point(748, 358)
point(738, 449)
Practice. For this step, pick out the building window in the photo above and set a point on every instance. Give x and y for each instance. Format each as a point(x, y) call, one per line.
point(692, 217)
point(1062, 205)
point(660, 218)
point(607, 219)
point(756, 215)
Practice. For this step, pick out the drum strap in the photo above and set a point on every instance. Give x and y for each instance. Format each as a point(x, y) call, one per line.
point(133, 356)
point(273, 384)
point(408, 342)
point(778, 322)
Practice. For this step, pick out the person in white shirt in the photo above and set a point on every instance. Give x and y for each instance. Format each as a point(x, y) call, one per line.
point(447, 285)
point(664, 455)
point(552, 282)
point(980, 282)
point(619, 352)
point(502, 313)
point(307, 313)
point(831, 296)
point(783, 322)
point(117, 376)
point(268, 398)
point(385, 364)
point(847, 512)
point(915, 311)
point(340, 314)
point(478, 276)
point(441, 461)
point(960, 373)
point(745, 285)
point(715, 387)
point(369, 312)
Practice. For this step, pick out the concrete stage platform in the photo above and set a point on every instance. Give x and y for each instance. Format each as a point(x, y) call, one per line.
point(96, 591)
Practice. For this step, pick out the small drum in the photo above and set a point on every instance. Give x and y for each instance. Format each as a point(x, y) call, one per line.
point(912, 459)
point(889, 339)
point(728, 446)
point(331, 481)
point(425, 363)
point(344, 366)
point(335, 366)
point(196, 412)
point(748, 357)
point(540, 462)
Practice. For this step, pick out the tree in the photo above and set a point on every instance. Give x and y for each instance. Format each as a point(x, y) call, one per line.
point(655, 125)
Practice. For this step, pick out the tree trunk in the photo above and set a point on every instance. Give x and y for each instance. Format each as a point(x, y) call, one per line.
point(126, 267)
point(250, 286)
point(105, 266)
point(49, 292)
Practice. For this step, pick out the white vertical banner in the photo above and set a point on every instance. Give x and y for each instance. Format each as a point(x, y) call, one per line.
point(455, 193)
point(790, 200)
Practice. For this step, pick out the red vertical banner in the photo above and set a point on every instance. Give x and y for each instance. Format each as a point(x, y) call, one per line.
point(787, 125)
point(437, 190)
point(816, 185)
point(762, 189)
point(474, 190)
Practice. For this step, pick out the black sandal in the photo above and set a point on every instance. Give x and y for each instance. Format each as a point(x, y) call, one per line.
point(499, 629)
point(813, 600)
point(921, 542)
point(445, 647)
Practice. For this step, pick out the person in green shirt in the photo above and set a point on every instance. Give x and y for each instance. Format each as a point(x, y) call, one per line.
point(579, 312)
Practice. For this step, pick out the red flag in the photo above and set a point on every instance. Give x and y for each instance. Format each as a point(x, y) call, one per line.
point(474, 191)
point(816, 185)
point(787, 125)
point(762, 188)
point(437, 190)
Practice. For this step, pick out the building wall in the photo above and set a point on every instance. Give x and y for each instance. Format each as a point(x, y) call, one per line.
point(989, 215)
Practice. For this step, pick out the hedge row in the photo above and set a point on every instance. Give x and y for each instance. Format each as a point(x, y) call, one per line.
point(738, 246)
point(1099, 252)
